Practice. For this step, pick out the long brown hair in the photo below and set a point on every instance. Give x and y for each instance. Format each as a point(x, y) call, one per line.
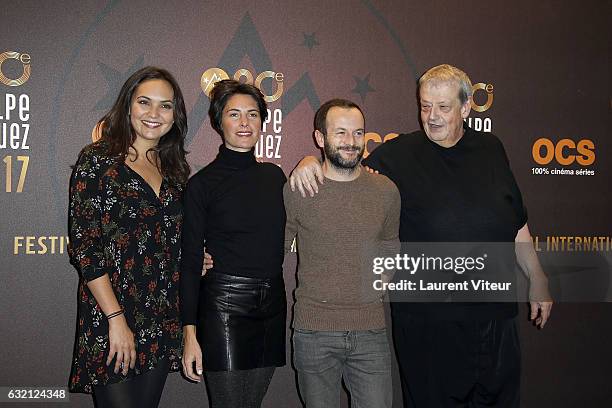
point(116, 129)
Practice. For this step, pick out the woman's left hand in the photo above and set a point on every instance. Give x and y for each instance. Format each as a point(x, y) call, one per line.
point(208, 262)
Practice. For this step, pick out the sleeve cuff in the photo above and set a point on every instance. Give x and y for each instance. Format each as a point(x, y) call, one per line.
point(90, 273)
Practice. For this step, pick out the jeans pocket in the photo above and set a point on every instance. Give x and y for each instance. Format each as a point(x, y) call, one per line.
point(311, 352)
point(375, 352)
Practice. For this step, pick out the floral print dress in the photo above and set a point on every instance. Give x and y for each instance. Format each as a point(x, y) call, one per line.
point(120, 227)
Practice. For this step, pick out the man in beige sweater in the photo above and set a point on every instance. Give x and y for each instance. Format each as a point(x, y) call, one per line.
point(339, 323)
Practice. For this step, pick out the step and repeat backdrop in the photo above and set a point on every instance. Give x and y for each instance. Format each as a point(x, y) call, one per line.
point(541, 78)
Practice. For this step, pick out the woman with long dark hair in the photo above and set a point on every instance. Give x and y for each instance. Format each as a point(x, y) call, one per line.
point(125, 221)
point(234, 317)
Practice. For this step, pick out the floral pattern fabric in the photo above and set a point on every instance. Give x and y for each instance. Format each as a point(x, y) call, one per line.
point(120, 227)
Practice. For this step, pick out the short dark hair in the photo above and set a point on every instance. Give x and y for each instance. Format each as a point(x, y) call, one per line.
point(321, 115)
point(225, 89)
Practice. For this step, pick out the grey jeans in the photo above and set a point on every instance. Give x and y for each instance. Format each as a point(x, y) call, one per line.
point(362, 358)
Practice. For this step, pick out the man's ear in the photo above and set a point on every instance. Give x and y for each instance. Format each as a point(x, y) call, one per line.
point(320, 138)
point(466, 107)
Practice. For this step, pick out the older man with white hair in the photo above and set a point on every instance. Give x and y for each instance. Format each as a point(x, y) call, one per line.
point(456, 186)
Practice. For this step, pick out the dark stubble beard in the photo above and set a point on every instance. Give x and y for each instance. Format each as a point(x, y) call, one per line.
point(332, 155)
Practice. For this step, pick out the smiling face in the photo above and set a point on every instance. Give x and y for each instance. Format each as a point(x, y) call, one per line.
point(344, 141)
point(152, 110)
point(241, 123)
point(442, 112)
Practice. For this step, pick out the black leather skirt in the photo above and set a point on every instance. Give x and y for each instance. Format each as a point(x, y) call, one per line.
point(241, 322)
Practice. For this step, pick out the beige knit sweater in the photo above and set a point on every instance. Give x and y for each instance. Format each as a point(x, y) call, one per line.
point(338, 232)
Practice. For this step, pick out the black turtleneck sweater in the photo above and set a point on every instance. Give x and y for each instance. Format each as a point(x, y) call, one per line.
point(234, 207)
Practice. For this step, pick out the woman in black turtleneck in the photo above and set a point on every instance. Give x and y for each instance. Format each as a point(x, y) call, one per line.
point(234, 317)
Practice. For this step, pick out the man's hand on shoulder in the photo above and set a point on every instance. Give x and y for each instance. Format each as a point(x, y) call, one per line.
point(305, 176)
point(370, 170)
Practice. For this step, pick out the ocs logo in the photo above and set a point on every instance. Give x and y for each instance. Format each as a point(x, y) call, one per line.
point(375, 137)
point(25, 61)
point(488, 88)
point(214, 75)
point(564, 152)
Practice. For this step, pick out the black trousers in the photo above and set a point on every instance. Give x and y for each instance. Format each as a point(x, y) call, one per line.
point(143, 391)
point(452, 364)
